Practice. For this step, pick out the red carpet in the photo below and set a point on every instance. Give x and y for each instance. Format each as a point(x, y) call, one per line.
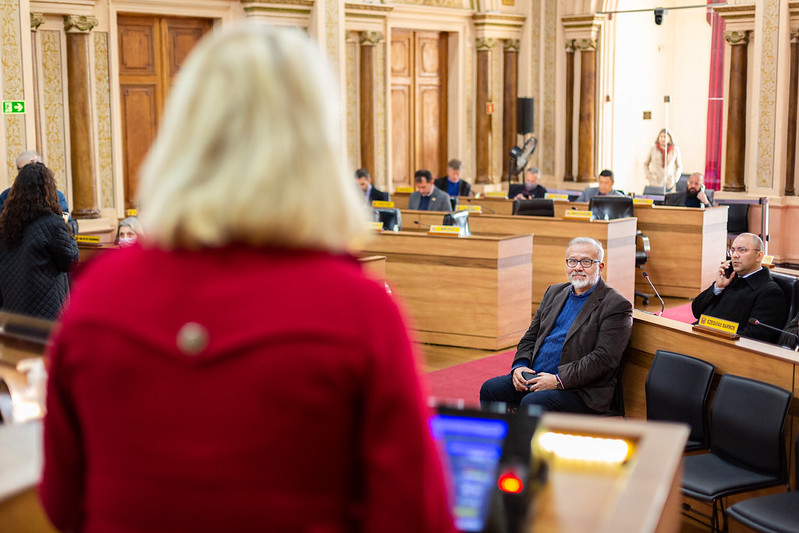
point(462, 382)
point(681, 313)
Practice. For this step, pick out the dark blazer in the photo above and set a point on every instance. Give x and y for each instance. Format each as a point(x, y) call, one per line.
point(516, 188)
point(792, 327)
point(33, 274)
point(757, 296)
point(376, 195)
point(464, 188)
point(678, 198)
point(594, 345)
point(438, 202)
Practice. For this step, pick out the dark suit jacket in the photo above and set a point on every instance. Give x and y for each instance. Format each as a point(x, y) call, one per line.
point(792, 327)
point(438, 202)
point(678, 198)
point(594, 345)
point(464, 188)
point(516, 188)
point(376, 195)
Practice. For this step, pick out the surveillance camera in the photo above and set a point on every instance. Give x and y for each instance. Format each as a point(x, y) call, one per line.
point(659, 12)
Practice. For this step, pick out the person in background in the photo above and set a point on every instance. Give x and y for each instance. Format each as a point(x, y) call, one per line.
point(792, 328)
point(37, 248)
point(128, 231)
point(452, 184)
point(747, 291)
point(370, 192)
point(605, 188)
point(29, 156)
point(267, 383)
point(574, 346)
point(693, 196)
point(428, 197)
point(529, 189)
point(663, 165)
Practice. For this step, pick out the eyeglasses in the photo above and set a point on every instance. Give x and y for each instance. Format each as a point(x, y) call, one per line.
point(741, 250)
point(571, 263)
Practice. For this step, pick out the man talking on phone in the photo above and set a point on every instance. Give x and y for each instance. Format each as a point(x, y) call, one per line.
point(695, 194)
point(747, 291)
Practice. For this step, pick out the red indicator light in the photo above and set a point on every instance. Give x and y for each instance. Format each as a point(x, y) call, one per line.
point(510, 482)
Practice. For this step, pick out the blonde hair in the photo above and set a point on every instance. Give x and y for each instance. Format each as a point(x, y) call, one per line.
point(250, 149)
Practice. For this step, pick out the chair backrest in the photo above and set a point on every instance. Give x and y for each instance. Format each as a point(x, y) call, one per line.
point(737, 217)
point(654, 190)
point(790, 286)
point(747, 424)
point(611, 207)
point(677, 388)
point(682, 183)
point(534, 207)
point(5, 403)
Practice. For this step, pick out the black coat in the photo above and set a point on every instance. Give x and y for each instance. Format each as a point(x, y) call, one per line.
point(376, 195)
point(33, 274)
point(515, 188)
point(464, 188)
point(757, 296)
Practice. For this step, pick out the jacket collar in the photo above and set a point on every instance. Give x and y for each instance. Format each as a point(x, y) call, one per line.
point(560, 300)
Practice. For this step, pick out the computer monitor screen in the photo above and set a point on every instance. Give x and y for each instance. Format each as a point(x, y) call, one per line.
point(534, 207)
point(390, 217)
point(460, 219)
point(477, 448)
point(610, 207)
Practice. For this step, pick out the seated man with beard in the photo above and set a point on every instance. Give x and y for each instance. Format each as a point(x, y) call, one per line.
point(695, 194)
point(574, 345)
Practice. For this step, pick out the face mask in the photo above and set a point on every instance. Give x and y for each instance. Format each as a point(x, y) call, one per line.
point(529, 186)
point(127, 241)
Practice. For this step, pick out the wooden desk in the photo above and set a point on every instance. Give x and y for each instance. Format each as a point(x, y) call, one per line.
point(551, 236)
point(744, 357)
point(498, 206)
point(374, 266)
point(471, 292)
point(641, 496)
point(687, 246)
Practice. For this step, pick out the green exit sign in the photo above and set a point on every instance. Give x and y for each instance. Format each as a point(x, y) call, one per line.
point(12, 107)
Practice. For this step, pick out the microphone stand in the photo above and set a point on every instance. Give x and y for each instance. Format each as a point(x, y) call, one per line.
point(662, 304)
point(756, 322)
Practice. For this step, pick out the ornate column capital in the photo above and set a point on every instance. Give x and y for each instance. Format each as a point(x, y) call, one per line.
point(795, 37)
point(79, 23)
point(483, 43)
point(370, 38)
point(511, 45)
point(570, 46)
point(736, 37)
point(585, 45)
point(37, 19)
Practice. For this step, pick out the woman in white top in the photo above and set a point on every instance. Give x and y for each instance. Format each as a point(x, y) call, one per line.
point(663, 165)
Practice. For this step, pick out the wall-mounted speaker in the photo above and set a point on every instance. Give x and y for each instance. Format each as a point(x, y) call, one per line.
point(524, 115)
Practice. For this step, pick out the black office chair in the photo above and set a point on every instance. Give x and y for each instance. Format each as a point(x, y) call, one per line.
point(641, 257)
point(737, 220)
point(682, 183)
point(654, 190)
point(747, 445)
point(776, 513)
point(677, 388)
point(5, 403)
point(790, 286)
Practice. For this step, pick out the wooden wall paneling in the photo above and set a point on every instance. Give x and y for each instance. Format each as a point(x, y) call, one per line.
point(428, 90)
point(401, 107)
point(179, 36)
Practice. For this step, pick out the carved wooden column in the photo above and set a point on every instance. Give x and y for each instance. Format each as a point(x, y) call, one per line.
point(37, 19)
point(510, 93)
point(568, 174)
point(368, 41)
point(585, 156)
point(736, 113)
point(793, 100)
point(483, 129)
point(80, 116)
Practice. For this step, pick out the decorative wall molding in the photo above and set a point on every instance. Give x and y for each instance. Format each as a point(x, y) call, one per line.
point(498, 26)
point(102, 84)
point(79, 23)
point(735, 38)
point(511, 45)
point(582, 26)
point(737, 17)
point(37, 19)
point(370, 38)
point(482, 43)
point(54, 151)
point(13, 88)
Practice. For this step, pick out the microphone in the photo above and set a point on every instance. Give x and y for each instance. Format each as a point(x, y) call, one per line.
point(756, 322)
point(421, 224)
point(662, 305)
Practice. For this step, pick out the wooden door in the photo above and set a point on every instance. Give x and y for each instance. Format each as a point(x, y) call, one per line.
point(151, 51)
point(418, 104)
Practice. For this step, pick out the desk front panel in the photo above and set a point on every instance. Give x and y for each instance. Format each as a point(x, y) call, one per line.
point(472, 292)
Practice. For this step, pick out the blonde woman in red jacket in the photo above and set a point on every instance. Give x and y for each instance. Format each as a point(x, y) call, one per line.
point(247, 376)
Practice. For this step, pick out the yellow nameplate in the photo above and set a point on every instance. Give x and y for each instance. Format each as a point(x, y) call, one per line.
point(403, 189)
point(496, 194)
point(444, 230)
point(131, 212)
point(643, 201)
point(377, 226)
point(553, 196)
point(768, 260)
point(380, 203)
point(471, 208)
point(718, 324)
point(92, 239)
point(576, 214)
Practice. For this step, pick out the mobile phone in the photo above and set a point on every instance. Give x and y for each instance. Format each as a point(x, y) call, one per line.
point(729, 270)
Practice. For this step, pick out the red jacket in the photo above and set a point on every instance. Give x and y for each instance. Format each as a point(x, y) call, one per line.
point(301, 411)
